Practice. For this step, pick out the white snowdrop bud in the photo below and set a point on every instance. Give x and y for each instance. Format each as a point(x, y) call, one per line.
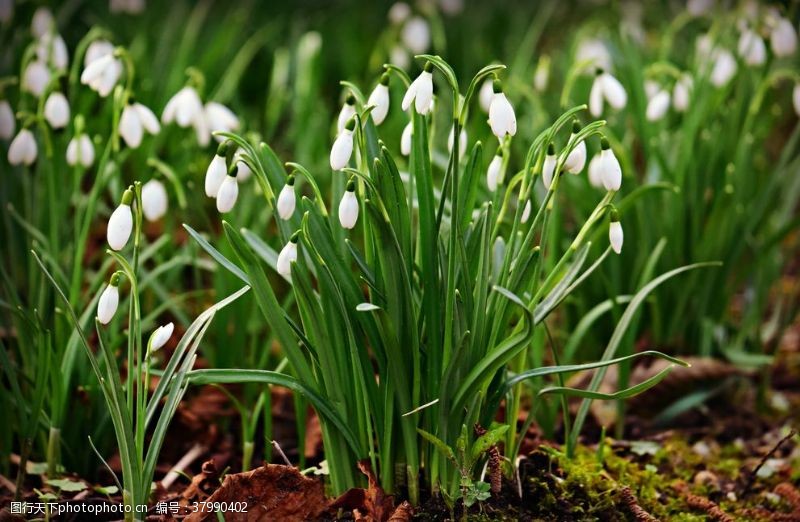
point(347, 112)
point(228, 192)
point(42, 22)
point(752, 48)
point(160, 336)
point(595, 172)
point(485, 95)
point(610, 170)
point(405, 139)
point(23, 150)
point(348, 206)
point(796, 98)
point(56, 110)
point(244, 170)
point(35, 78)
point(343, 147)
point(681, 93)
point(493, 172)
point(135, 120)
point(216, 171)
point(101, 74)
point(399, 12)
point(526, 212)
point(52, 49)
point(576, 159)
point(109, 301)
point(549, 166)
point(658, 105)
point(80, 151)
point(462, 142)
point(120, 224)
point(420, 91)
point(502, 119)
point(416, 35)
point(724, 67)
point(615, 232)
point(8, 122)
point(380, 99)
point(783, 38)
point(154, 200)
point(220, 118)
point(184, 108)
point(287, 199)
point(287, 256)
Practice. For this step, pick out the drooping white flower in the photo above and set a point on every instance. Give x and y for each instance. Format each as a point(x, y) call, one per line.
point(244, 169)
point(287, 256)
point(610, 170)
point(493, 172)
point(120, 224)
point(228, 192)
point(97, 49)
point(399, 13)
point(796, 98)
point(102, 73)
point(80, 151)
point(462, 142)
point(682, 92)
point(595, 172)
point(42, 22)
point(526, 212)
point(22, 150)
point(109, 301)
point(549, 166)
point(658, 105)
point(783, 38)
point(606, 88)
point(541, 77)
point(723, 68)
point(576, 159)
point(502, 119)
point(342, 147)
point(154, 200)
point(220, 118)
point(347, 112)
point(416, 35)
point(184, 108)
point(348, 206)
point(405, 139)
point(380, 99)
point(594, 54)
point(216, 171)
point(752, 48)
point(56, 110)
point(615, 235)
point(160, 336)
point(287, 199)
point(35, 78)
point(8, 123)
point(420, 91)
point(135, 120)
point(699, 7)
point(51, 49)
point(485, 95)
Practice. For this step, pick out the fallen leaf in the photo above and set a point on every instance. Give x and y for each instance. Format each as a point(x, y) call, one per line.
point(368, 505)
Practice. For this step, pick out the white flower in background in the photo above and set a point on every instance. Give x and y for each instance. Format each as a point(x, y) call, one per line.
point(109, 301)
point(502, 119)
point(416, 35)
point(135, 120)
point(420, 91)
point(723, 68)
point(593, 53)
point(160, 336)
point(184, 108)
point(22, 150)
point(658, 105)
point(606, 87)
point(452, 7)
point(609, 168)
point(796, 98)
point(56, 110)
point(102, 73)
point(154, 200)
point(52, 49)
point(595, 172)
point(485, 95)
point(97, 49)
point(7, 120)
point(399, 57)
point(405, 139)
point(493, 172)
point(220, 118)
point(80, 151)
point(699, 7)
point(287, 256)
point(526, 212)
point(6, 11)
point(615, 236)
point(783, 38)
point(343, 146)
point(399, 13)
point(576, 159)
point(42, 22)
point(216, 171)
point(228, 192)
point(549, 166)
point(287, 199)
point(752, 48)
point(347, 112)
point(380, 99)
point(35, 78)
point(651, 87)
point(682, 92)
point(244, 169)
point(541, 77)
point(120, 224)
point(462, 142)
point(703, 47)
point(348, 206)
point(133, 7)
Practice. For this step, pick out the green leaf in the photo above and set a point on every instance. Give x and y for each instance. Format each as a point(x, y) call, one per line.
point(67, 485)
point(439, 444)
point(218, 257)
point(620, 394)
point(491, 438)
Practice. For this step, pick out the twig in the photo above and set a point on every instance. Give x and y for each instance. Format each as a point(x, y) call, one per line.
point(182, 464)
point(638, 512)
point(281, 453)
point(751, 476)
point(703, 504)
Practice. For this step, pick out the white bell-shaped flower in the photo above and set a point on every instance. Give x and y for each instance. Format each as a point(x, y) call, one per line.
point(35, 78)
point(347, 112)
point(502, 119)
point(184, 108)
point(244, 169)
point(420, 91)
point(416, 35)
point(526, 212)
point(56, 110)
point(606, 88)
point(485, 94)
point(595, 172)
point(102, 74)
point(287, 256)
point(493, 172)
point(120, 224)
point(380, 99)
point(220, 118)
point(80, 151)
point(51, 49)
point(783, 38)
point(576, 159)
point(160, 336)
point(135, 120)
point(682, 92)
point(109, 301)
point(796, 98)
point(42, 22)
point(658, 105)
point(154, 200)
point(723, 67)
point(615, 236)
point(752, 48)
point(405, 139)
point(462, 142)
point(549, 166)
point(399, 13)
point(287, 199)
point(216, 171)
point(343, 147)
point(8, 123)
point(228, 192)
point(97, 49)
point(348, 206)
point(610, 170)
point(594, 53)
point(23, 150)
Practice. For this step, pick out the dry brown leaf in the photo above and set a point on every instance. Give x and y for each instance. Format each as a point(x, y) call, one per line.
point(368, 505)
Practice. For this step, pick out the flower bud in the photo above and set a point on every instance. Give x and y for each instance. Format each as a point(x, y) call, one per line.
point(56, 110)
point(109, 301)
point(120, 224)
point(216, 171)
point(160, 336)
point(154, 200)
point(228, 192)
point(287, 199)
point(348, 207)
point(287, 256)
point(342, 147)
point(615, 236)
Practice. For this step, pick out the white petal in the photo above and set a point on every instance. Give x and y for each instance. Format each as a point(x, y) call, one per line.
point(380, 99)
point(783, 38)
point(341, 150)
point(399, 12)
point(502, 119)
point(596, 97)
point(106, 82)
point(42, 22)
point(154, 200)
point(410, 94)
point(424, 95)
point(147, 118)
point(130, 127)
point(405, 139)
point(161, 336)
point(576, 159)
point(462, 142)
point(120, 226)
point(416, 35)
point(228, 192)
point(485, 95)
point(201, 129)
point(97, 49)
point(215, 175)
point(7, 121)
point(72, 152)
point(752, 48)
point(724, 68)
point(22, 150)
point(86, 150)
point(287, 256)
point(493, 172)
point(548, 169)
point(594, 53)
point(36, 78)
point(220, 118)
point(188, 107)
point(613, 91)
point(615, 236)
point(107, 304)
point(595, 172)
point(244, 171)
point(526, 212)
point(658, 106)
point(96, 69)
point(286, 202)
point(610, 170)
point(56, 110)
point(348, 210)
point(345, 114)
point(681, 93)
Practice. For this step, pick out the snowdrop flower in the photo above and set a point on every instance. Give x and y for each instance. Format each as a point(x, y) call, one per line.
point(348, 206)
point(343, 146)
point(56, 110)
point(399, 13)
point(244, 170)
point(783, 38)
point(216, 171)
point(609, 168)
point(7, 121)
point(405, 140)
point(184, 108)
point(595, 172)
point(658, 105)
point(22, 150)
point(80, 151)
point(502, 119)
point(399, 57)
point(420, 91)
point(416, 35)
point(576, 159)
point(228, 192)
point(6, 11)
point(102, 74)
point(52, 49)
point(606, 87)
point(541, 76)
point(493, 172)
point(160, 337)
point(699, 7)
point(120, 224)
point(109, 300)
point(615, 232)
point(724, 67)
point(752, 48)
point(287, 199)
point(287, 256)
point(220, 118)
point(526, 212)
point(347, 112)
point(462, 142)
point(796, 98)
point(380, 99)
point(154, 200)
point(549, 166)
point(42, 22)
point(594, 53)
point(485, 95)
point(35, 78)
point(681, 93)
point(135, 120)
